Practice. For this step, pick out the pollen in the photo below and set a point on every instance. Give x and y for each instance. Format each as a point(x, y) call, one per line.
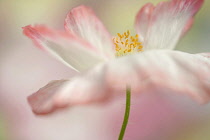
point(126, 44)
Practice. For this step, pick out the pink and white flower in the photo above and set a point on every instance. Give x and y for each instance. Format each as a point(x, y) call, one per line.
point(87, 47)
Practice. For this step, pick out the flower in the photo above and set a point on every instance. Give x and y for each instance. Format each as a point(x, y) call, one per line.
point(87, 46)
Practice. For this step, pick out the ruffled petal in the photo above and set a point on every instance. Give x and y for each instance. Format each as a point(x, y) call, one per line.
point(44, 100)
point(63, 93)
point(83, 22)
point(205, 54)
point(162, 26)
point(143, 20)
point(178, 72)
point(72, 51)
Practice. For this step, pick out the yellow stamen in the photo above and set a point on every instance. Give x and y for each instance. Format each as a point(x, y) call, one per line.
point(126, 44)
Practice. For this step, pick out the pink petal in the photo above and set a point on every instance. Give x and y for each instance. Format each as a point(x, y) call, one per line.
point(162, 26)
point(205, 54)
point(72, 51)
point(177, 72)
point(83, 22)
point(188, 26)
point(63, 93)
point(193, 5)
point(42, 100)
point(143, 16)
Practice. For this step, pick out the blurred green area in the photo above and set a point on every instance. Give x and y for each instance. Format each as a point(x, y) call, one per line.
point(198, 131)
point(2, 129)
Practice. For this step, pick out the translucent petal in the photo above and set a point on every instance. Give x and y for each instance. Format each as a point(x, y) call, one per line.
point(162, 26)
point(177, 72)
point(72, 51)
point(83, 22)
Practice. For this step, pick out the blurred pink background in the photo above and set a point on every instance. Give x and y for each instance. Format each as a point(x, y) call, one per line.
point(24, 69)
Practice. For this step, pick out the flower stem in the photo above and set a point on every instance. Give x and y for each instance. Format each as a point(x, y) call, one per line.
point(127, 113)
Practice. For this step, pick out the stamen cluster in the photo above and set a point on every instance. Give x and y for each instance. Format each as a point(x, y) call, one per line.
point(126, 44)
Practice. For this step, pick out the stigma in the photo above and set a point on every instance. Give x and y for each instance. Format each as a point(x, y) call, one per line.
point(126, 44)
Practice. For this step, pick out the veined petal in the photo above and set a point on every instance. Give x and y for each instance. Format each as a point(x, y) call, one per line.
point(72, 51)
point(63, 93)
point(179, 72)
point(83, 22)
point(162, 26)
point(143, 20)
point(44, 102)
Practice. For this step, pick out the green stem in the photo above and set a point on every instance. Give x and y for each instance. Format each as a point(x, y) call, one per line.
point(127, 113)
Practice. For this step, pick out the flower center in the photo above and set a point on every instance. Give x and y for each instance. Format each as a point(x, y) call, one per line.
point(126, 44)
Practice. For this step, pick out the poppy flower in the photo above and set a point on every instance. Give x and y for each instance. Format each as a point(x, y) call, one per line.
point(106, 65)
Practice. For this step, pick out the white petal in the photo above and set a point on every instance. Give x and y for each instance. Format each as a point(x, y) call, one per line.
point(83, 22)
point(143, 20)
point(187, 74)
point(63, 93)
point(72, 51)
point(162, 26)
point(178, 71)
